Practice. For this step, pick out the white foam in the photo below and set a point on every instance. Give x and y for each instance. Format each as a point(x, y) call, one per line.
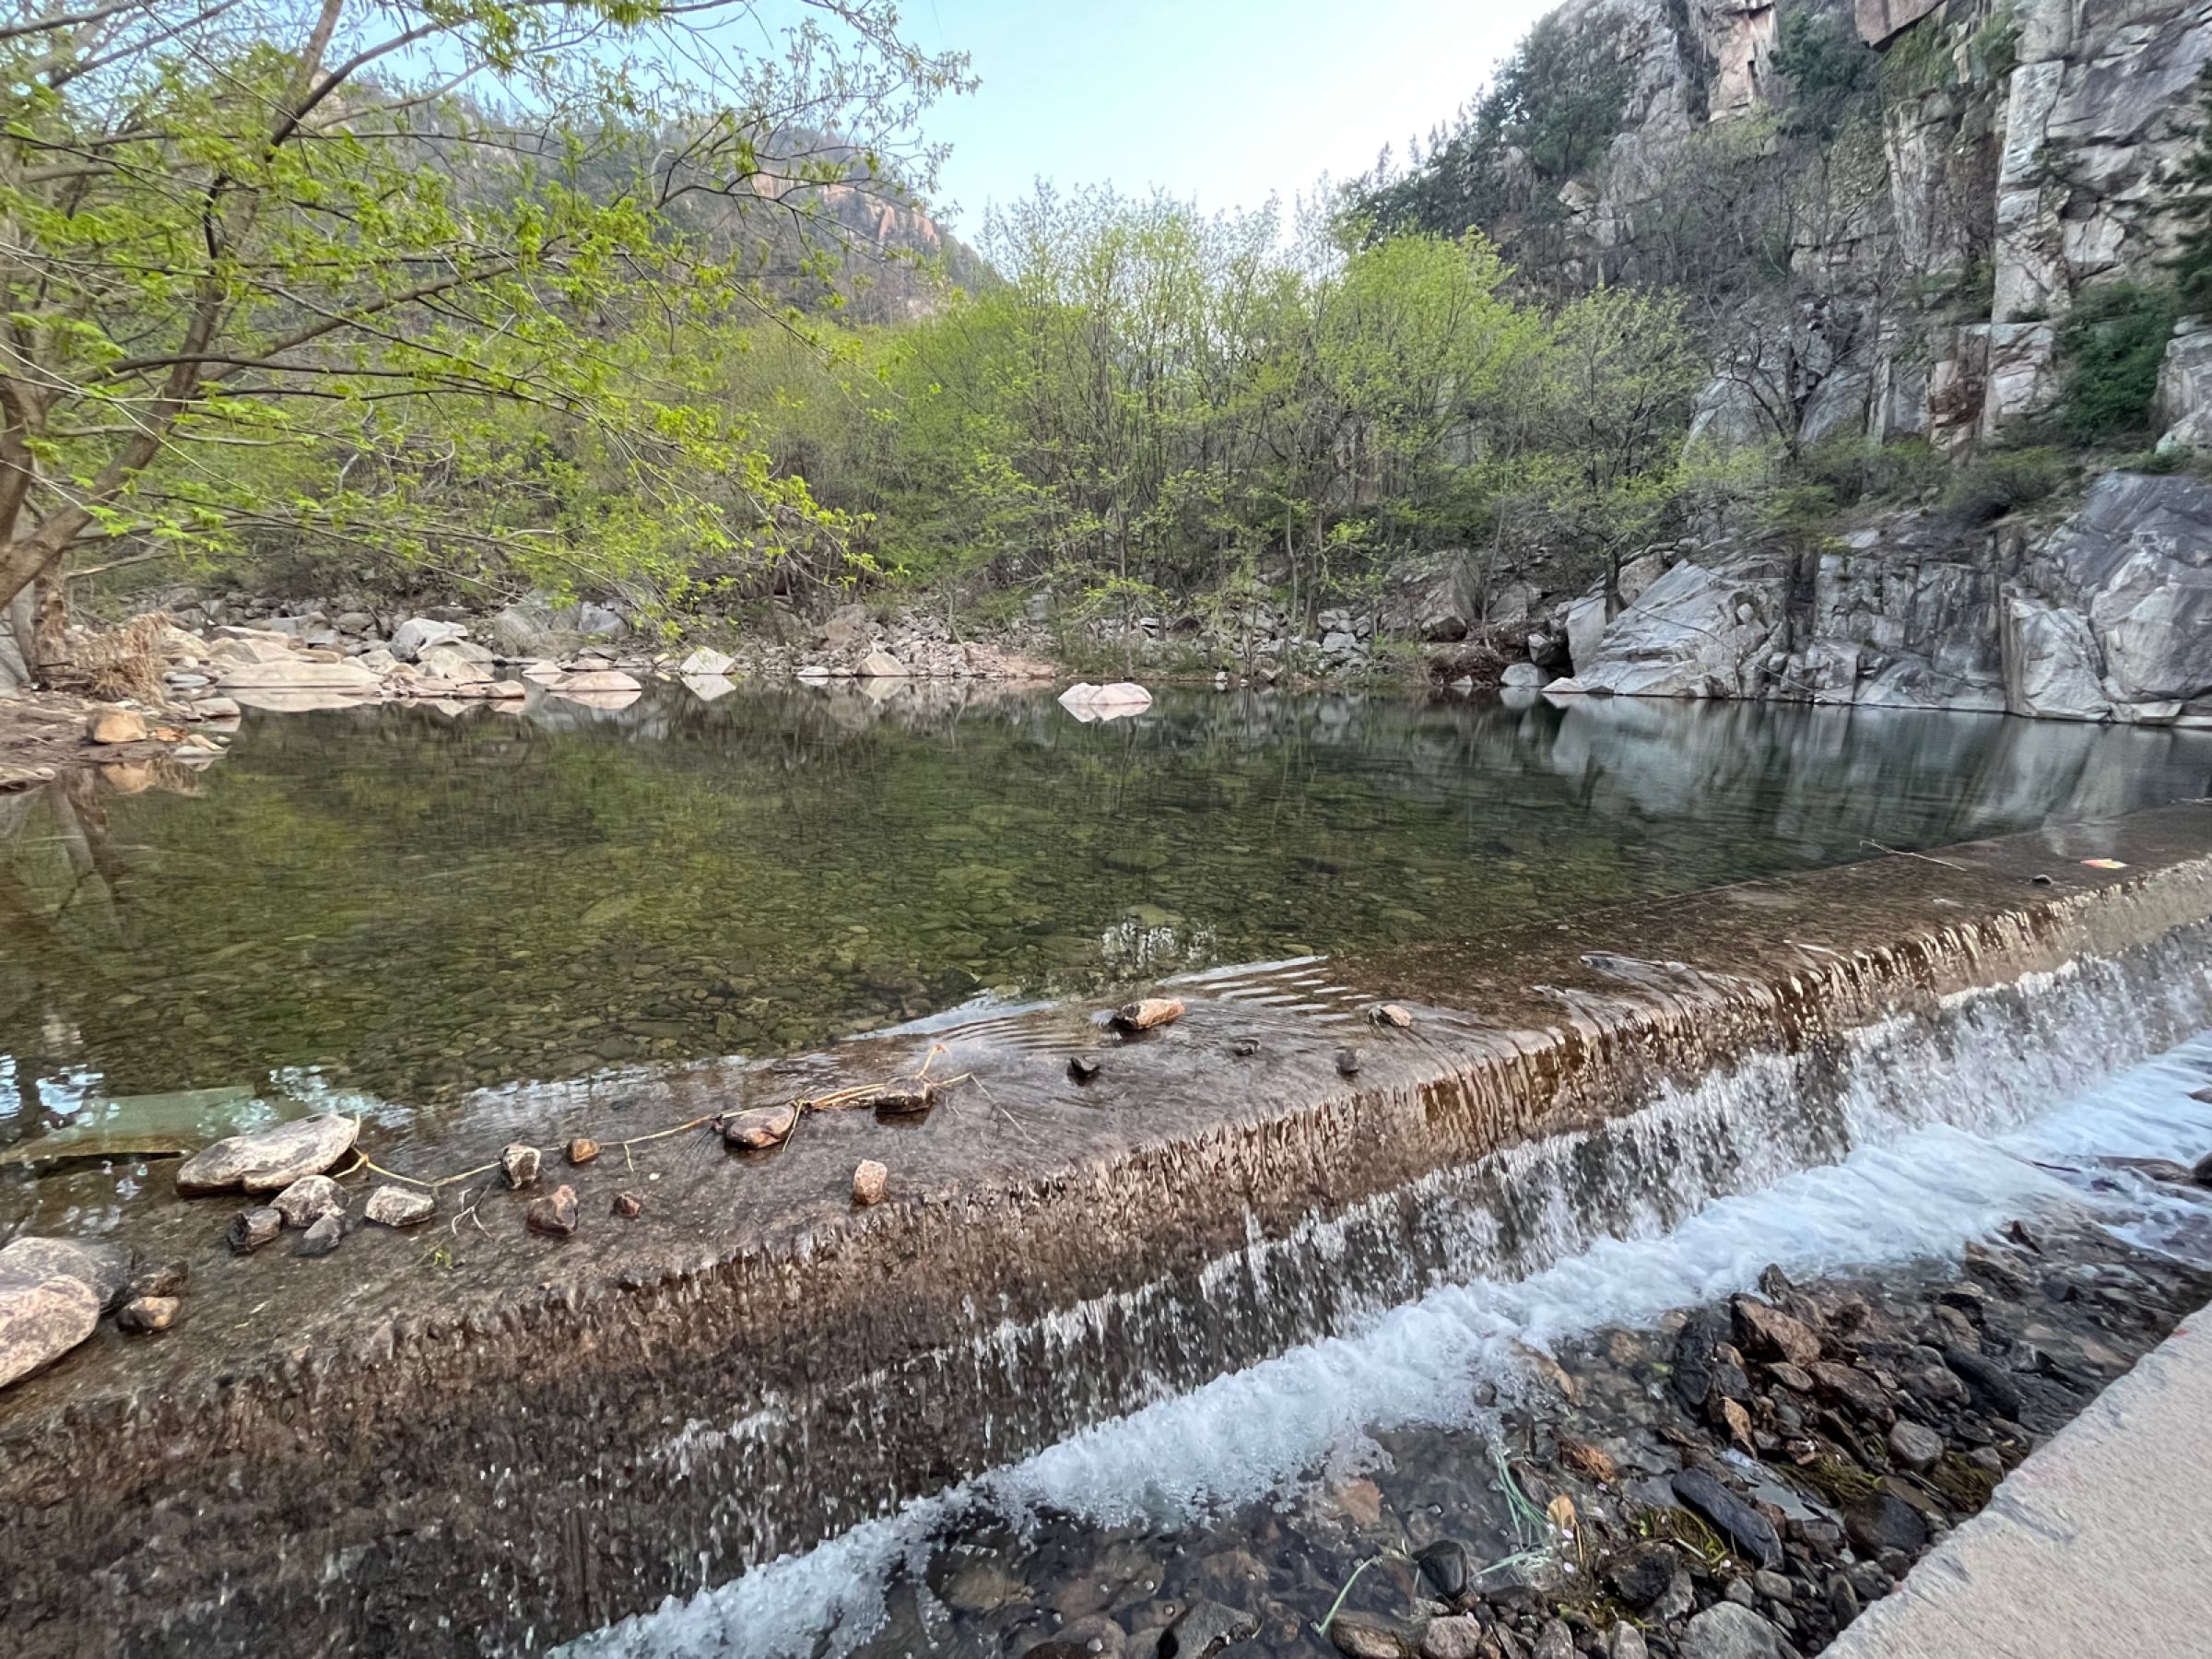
point(1916, 1186)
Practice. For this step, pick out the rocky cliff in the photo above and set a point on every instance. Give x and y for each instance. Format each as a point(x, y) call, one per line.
point(2024, 152)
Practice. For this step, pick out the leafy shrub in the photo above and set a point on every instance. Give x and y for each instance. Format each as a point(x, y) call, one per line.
point(2110, 345)
point(1855, 470)
point(2003, 481)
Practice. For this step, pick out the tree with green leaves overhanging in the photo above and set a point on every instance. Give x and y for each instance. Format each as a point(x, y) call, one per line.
point(264, 259)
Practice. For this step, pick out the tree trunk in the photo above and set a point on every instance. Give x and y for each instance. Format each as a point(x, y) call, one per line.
point(49, 627)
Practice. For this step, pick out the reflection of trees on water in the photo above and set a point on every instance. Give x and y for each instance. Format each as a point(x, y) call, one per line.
point(427, 901)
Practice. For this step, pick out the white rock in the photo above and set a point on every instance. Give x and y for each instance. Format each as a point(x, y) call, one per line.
point(417, 634)
point(705, 663)
point(881, 664)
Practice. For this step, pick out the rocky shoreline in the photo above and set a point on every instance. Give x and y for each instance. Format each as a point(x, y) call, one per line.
point(1739, 1482)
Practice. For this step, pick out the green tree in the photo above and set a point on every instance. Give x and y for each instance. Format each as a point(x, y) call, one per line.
point(2190, 202)
point(262, 258)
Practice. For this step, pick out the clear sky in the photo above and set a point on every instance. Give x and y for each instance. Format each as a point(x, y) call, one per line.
point(1223, 102)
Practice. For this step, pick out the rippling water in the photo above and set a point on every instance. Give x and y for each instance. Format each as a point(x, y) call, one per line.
point(410, 904)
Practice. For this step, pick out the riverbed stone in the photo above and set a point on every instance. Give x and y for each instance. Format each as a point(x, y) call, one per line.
point(1457, 1637)
point(628, 1206)
point(308, 1200)
point(868, 1182)
point(1444, 1565)
point(1913, 1445)
point(520, 1164)
point(1985, 1380)
point(1725, 1631)
point(268, 1160)
point(118, 725)
point(760, 1127)
point(1855, 1389)
point(105, 1267)
point(324, 1236)
point(1882, 1522)
point(1205, 1628)
point(142, 1315)
point(253, 1229)
point(1148, 1013)
point(43, 1314)
point(1766, 1330)
point(418, 634)
point(1358, 1636)
point(1640, 1576)
point(164, 1279)
point(583, 1150)
point(399, 1206)
point(1748, 1532)
point(555, 1214)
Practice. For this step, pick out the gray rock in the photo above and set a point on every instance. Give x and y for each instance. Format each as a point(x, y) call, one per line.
point(105, 1267)
point(2137, 558)
point(1881, 1522)
point(399, 1206)
point(1728, 1632)
point(1458, 1637)
point(1554, 1641)
point(43, 1314)
point(1700, 631)
point(324, 1237)
point(308, 1200)
point(1357, 1636)
point(268, 1160)
point(1444, 1565)
point(1986, 1380)
point(1205, 1629)
point(520, 1164)
point(881, 664)
point(1748, 1532)
point(1641, 1576)
point(1522, 676)
point(2053, 666)
point(418, 634)
point(1624, 1641)
point(1914, 1446)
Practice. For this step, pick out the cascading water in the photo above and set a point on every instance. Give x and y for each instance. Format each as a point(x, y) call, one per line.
point(1897, 1141)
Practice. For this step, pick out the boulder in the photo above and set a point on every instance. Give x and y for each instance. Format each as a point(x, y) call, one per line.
point(268, 1160)
point(43, 1314)
point(308, 1200)
point(1087, 702)
point(2138, 559)
point(1427, 598)
point(762, 1127)
point(555, 1214)
point(118, 725)
point(1699, 631)
point(2185, 399)
point(418, 634)
point(591, 681)
point(246, 682)
point(105, 1268)
point(1525, 676)
point(451, 662)
point(2053, 667)
point(705, 663)
point(1751, 1534)
point(881, 664)
point(869, 1180)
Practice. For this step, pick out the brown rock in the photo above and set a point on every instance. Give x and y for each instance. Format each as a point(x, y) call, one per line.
point(168, 1279)
point(1357, 1636)
point(1458, 1637)
point(582, 1149)
point(250, 1230)
point(762, 1127)
point(308, 1200)
point(1791, 1377)
point(905, 1096)
point(43, 1317)
point(521, 1164)
point(117, 725)
point(147, 1313)
point(399, 1206)
point(1855, 1389)
point(1394, 1015)
point(104, 1266)
point(868, 1182)
point(1148, 1012)
point(628, 1206)
point(1767, 1329)
point(555, 1214)
point(1588, 1459)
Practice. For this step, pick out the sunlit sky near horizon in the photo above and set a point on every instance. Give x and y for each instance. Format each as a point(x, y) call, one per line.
point(1221, 101)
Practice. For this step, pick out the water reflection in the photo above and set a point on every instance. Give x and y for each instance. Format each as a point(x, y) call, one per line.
point(411, 902)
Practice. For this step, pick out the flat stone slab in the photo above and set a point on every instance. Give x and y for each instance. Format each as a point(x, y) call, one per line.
point(268, 1160)
point(2101, 1544)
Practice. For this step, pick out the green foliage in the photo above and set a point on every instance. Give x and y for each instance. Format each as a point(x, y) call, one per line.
point(2003, 481)
point(1855, 470)
point(1832, 75)
point(2189, 199)
point(2110, 345)
point(1549, 116)
point(358, 273)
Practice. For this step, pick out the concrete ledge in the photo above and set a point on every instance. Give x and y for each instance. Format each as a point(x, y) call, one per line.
point(2099, 1544)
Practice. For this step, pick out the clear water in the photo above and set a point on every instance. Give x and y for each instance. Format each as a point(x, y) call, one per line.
point(412, 904)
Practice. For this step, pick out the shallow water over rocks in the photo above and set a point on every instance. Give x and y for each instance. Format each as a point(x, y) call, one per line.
point(410, 904)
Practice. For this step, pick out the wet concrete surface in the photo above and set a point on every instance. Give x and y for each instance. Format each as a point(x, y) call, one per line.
point(457, 1439)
